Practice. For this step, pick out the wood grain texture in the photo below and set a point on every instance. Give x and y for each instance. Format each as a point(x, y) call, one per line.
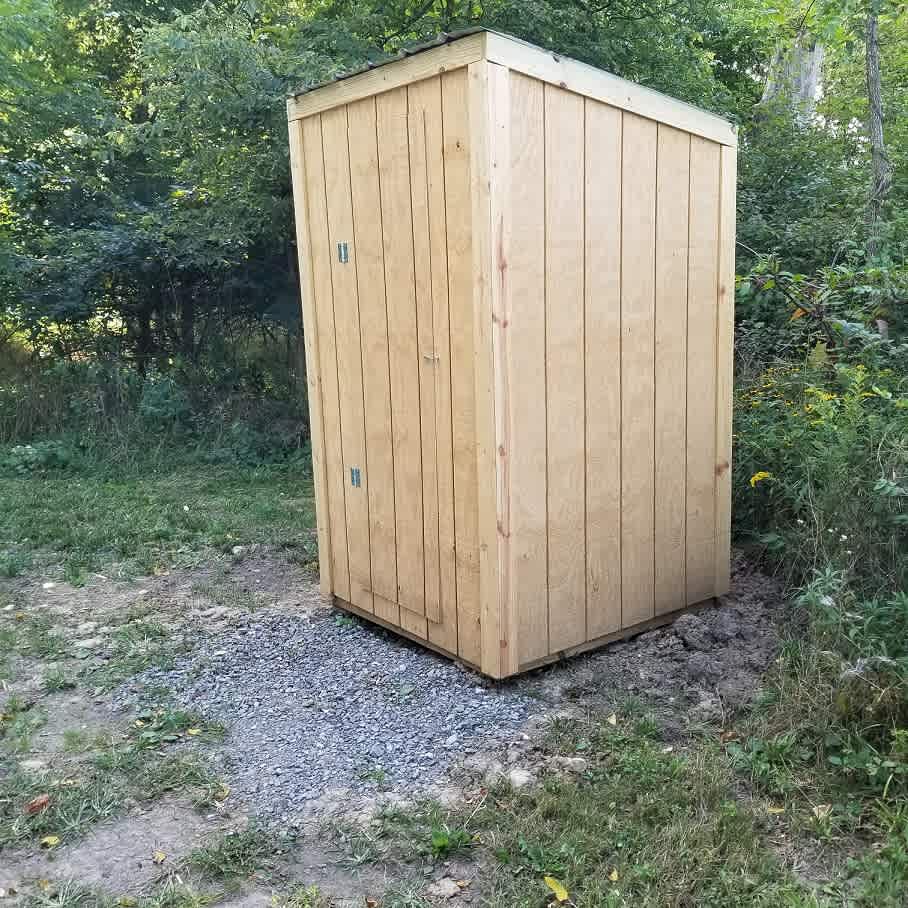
point(428, 358)
point(603, 368)
point(313, 369)
point(564, 366)
point(392, 75)
point(596, 84)
point(484, 83)
point(701, 369)
point(323, 300)
point(370, 274)
point(349, 356)
point(500, 617)
point(459, 208)
point(397, 231)
point(638, 225)
point(526, 370)
point(672, 186)
point(725, 344)
point(443, 632)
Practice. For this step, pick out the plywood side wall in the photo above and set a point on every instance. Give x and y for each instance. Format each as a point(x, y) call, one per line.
point(619, 244)
point(391, 354)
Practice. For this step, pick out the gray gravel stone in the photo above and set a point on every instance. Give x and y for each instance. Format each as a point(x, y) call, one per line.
point(313, 704)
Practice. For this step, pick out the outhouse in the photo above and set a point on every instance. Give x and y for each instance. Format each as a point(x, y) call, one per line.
point(517, 284)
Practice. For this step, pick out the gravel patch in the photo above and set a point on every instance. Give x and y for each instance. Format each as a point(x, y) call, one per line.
point(317, 704)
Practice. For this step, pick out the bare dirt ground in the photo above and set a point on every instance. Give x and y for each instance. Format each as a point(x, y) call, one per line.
point(75, 670)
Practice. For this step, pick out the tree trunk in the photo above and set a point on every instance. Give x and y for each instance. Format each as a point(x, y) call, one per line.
point(793, 80)
point(880, 167)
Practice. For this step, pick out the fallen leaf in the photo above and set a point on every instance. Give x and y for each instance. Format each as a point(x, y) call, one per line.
point(371, 903)
point(775, 810)
point(821, 811)
point(613, 876)
point(36, 805)
point(728, 735)
point(158, 857)
point(462, 883)
point(50, 841)
point(557, 887)
point(222, 792)
point(193, 731)
point(798, 313)
point(612, 719)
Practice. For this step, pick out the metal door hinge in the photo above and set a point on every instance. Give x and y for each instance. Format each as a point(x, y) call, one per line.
point(355, 478)
point(343, 254)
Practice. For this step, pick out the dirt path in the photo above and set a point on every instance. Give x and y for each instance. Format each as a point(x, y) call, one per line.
point(113, 696)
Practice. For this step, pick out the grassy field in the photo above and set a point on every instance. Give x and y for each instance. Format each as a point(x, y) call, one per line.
point(145, 521)
point(755, 813)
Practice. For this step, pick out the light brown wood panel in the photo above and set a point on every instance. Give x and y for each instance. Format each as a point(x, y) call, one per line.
point(526, 370)
point(324, 307)
point(397, 230)
point(701, 369)
point(458, 205)
point(564, 365)
point(725, 371)
point(603, 369)
point(425, 328)
point(349, 357)
point(313, 369)
point(444, 632)
point(370, 273)
point(447, 57)
point(672, 185)
point(638, 232)
point(490, 132)
point(584, 79)
point(414, 623)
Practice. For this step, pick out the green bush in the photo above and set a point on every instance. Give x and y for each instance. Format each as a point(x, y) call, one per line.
point(821, 471)
point(41, 457)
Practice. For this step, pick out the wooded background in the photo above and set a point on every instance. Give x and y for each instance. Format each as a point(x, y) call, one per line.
point(145, 205)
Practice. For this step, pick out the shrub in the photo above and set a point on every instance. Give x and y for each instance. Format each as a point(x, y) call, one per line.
point(40, 457)
point(821, 471)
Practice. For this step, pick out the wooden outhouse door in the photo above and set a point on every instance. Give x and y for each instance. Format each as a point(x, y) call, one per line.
point(379, 233)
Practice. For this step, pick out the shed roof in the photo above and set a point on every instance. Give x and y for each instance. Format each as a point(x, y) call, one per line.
point(451, 50)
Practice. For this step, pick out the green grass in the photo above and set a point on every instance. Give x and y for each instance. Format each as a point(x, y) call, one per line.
point(234, 856)
point(141, 764)
point(149, 521)
point(643, 826)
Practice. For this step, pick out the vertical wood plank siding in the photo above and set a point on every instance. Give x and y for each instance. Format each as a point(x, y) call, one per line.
point(672, 181)
point(602, 357)
point(701, 369)
point(327, 346)
point(526, 371)
point(638, 255)
point(565, 408)
point(527, 356)
point(370, 274)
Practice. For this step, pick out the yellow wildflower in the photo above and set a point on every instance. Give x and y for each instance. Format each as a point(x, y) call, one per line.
point(759, 477)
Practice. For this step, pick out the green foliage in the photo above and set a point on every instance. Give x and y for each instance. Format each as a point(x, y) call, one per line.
point(149, 516)
point(447, 840)
point(822, 455)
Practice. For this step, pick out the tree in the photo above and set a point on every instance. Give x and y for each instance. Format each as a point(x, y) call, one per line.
point(881, 168)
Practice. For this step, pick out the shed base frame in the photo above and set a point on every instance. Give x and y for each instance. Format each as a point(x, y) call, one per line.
point(624, 634)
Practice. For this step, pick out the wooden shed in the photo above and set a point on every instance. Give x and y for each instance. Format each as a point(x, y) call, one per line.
point(517, 283)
